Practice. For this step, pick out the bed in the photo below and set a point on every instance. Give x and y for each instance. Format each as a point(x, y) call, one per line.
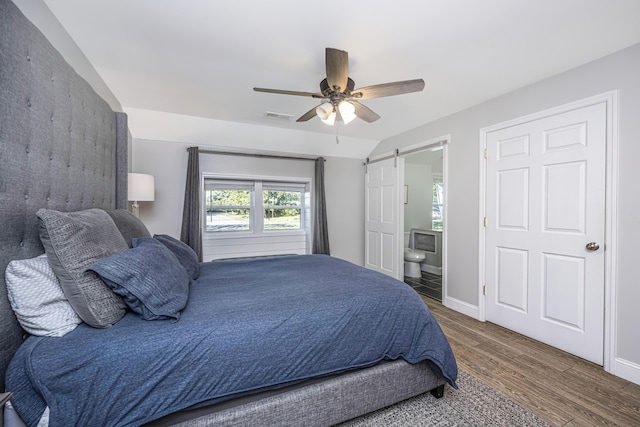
point(64, 152)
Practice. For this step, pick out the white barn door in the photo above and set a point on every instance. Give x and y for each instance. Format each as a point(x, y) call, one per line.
point(545, 209)
point(382, 210)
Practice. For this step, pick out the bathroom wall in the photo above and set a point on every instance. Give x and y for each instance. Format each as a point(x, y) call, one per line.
point(418, 177)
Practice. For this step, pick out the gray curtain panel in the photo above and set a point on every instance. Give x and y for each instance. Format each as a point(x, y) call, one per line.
point(320, 230)
point(191, 233)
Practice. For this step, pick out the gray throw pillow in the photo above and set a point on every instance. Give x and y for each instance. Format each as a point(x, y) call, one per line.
point(183, 252)
point(149, 277)
point(72, 242)
point(129, 225)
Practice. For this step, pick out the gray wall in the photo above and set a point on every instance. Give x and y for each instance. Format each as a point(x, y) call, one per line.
point(619, 71)
point(167, 162)
point(344, 188)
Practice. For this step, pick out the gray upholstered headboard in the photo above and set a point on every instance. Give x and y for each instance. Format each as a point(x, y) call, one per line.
point(61, 147)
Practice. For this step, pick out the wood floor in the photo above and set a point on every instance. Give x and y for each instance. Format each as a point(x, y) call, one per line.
point(562, 389)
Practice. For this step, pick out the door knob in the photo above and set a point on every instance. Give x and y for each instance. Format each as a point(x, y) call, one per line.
point(592, 246)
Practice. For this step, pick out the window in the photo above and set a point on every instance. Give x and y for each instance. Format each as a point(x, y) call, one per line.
point(228, 205)
point(438, 199)
point(282, 206)
point(253, 206)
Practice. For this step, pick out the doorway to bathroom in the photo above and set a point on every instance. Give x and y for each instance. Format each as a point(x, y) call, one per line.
point(423, 221)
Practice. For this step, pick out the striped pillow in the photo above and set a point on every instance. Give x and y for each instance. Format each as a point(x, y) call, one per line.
point(37, 298)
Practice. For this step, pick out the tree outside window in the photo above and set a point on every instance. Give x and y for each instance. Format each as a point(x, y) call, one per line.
point(282, 209)
point(253, 205)
point(228, 206)
point(438, 201)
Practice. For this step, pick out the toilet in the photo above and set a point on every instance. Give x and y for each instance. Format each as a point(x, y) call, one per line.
point(412, 260)
point(423, 253)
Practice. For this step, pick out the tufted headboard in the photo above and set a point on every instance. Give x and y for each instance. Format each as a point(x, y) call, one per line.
point(61, 147)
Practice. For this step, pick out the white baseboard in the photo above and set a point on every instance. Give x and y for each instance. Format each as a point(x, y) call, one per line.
point(462, 307)
point(622, 368)
point(628, 370)
point(431, 269)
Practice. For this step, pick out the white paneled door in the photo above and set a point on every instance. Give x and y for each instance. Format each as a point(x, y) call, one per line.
point(381, 217)
point(545, 208)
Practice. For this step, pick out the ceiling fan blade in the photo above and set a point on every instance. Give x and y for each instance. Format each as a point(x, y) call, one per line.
point(308, 115)
point(365, 113)
point(388, 89)
point(289, 92)
point(337, 63)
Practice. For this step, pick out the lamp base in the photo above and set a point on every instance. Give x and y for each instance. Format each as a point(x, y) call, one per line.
point(135, 208)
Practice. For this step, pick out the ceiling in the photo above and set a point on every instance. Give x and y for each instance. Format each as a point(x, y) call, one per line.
point(202, 58)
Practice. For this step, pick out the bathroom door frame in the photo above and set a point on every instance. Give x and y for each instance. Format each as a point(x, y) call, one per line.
point(400, 154)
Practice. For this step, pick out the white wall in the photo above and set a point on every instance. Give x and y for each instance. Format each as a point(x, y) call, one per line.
point(618, 71)
point(167, 162)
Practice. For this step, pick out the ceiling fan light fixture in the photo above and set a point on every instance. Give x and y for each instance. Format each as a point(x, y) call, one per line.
point(327, 113)
point(324, 110)
point(347, 111)
point(338, 87)
point(330, 120)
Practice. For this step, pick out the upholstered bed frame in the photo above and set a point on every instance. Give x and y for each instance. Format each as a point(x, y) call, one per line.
point(62, 147)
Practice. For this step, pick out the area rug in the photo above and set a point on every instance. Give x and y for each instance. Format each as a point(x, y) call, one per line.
point(474, 404)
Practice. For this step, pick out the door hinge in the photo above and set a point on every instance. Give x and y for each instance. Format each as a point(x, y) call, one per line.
point(484, 290)
point(484, 221)
point(486, 153)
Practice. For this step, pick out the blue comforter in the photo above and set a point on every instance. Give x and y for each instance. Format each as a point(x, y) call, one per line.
point(249, 324)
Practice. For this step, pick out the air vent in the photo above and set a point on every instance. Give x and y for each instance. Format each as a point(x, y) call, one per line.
point(278, 116)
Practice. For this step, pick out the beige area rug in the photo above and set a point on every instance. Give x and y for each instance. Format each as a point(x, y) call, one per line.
point(474, 404)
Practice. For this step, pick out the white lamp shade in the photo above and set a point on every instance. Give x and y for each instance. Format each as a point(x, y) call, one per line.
point(327, 113)
point(347, 111)
point(141, 187)
point(330, 120)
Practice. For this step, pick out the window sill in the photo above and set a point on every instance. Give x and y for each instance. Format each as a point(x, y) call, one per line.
point(212, 235)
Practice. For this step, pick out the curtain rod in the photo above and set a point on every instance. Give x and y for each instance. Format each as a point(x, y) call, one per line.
point(268, 156)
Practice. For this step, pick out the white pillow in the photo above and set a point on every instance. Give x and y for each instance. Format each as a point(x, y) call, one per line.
point(37, 299)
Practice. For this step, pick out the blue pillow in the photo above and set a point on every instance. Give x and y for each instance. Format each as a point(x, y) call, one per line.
point(183, 252)
point(149, 277)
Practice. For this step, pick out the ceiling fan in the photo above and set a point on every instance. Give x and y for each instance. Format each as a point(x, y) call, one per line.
point(341, 101)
